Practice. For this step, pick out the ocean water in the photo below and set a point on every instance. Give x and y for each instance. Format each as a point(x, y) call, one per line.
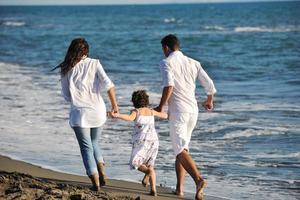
point(248, 148)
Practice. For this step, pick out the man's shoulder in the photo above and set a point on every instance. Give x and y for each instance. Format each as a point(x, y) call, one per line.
point(164, 62)
point(192, 60)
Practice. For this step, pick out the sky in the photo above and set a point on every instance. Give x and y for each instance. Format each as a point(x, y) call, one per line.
point(100, 2)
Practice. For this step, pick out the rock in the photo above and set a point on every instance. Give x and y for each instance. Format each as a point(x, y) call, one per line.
point(62, 186)
point(36, 186)
point(3, 179)
point(76, 197)
point(14, 189)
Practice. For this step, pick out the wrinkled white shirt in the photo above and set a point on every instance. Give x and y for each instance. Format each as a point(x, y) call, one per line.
point(181, 72)
point(81, 87)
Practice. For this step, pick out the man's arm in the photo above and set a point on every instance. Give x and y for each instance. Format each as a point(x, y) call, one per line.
point(167, 91)
point(209, 88)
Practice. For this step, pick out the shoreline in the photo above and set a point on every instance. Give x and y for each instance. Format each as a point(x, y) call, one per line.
point(118, 189)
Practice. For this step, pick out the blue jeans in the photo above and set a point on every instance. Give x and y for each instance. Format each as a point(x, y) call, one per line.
point(90, 151)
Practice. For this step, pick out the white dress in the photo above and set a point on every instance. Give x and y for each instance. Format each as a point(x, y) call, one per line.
point(144, 142)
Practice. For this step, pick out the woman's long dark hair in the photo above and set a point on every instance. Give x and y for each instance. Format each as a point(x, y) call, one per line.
point(77, 49)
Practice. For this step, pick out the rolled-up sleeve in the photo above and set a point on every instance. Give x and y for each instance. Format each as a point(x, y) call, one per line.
point(104, 80)
point(65, 89)
point(206, 81)
point(167, 74)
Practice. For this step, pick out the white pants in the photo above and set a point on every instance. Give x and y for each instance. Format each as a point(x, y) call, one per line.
point(181, 128)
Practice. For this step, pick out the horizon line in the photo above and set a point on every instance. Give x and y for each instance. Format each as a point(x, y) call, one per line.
point(163, 3)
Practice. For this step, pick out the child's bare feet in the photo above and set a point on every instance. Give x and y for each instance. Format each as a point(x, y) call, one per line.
point(200, 187)
point(145, 180)
point(153, 193)
point(176, 192)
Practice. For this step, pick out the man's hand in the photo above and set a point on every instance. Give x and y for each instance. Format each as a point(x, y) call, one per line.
point(209, 103)
point(158, 109)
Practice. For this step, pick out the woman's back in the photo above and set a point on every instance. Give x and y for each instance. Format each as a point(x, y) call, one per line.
point(81, 86)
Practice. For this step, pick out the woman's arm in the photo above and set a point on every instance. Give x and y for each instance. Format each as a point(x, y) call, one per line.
point(130, 117)
point(161, 114)
point(112, 97)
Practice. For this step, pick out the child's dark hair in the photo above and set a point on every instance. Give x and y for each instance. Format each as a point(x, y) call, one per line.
point(140, 99)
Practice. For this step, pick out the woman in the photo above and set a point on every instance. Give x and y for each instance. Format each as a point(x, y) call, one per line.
point(81, 80)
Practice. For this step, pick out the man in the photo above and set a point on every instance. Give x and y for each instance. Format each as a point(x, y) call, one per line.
point(179, 74)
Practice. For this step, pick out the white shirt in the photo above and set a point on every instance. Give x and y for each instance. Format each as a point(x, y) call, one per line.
point(181, 72)
point(81, 87)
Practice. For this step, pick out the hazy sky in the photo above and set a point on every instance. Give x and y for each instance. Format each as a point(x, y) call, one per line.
point(82, 2)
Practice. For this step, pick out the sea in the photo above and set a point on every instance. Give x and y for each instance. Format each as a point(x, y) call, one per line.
point(247, 148)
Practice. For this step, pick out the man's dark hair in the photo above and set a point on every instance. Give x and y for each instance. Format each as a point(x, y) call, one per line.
point(171, 41)
point(140, 99)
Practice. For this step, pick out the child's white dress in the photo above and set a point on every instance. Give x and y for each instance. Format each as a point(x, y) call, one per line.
point(144, 142)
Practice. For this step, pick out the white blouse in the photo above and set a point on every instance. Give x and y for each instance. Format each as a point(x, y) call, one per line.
point(181, 72)
point(81, 87)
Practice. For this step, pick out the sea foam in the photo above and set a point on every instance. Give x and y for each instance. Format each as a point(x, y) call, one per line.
point(14, 23)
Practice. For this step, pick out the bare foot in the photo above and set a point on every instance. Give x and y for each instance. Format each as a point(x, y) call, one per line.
point(102, 181)
point(200, 187)
point(145, 180)
point(95, 188)
point(153, 193)
point(176, 192)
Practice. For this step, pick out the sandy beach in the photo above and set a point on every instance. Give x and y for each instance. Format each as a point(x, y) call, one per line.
point(21, 180)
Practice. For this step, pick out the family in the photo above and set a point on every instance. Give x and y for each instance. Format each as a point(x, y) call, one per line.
point(82, 80)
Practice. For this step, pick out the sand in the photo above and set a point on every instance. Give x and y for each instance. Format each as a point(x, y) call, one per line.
point(21, 180)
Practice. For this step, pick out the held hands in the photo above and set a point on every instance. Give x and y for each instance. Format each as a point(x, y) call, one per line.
point(114, 113)
point(158, 109)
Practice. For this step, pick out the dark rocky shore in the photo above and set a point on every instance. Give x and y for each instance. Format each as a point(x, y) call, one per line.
point(22, 186)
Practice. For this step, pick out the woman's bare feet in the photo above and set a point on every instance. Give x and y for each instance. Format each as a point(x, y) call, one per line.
point(102, 175)
point(95, 188)
point(200, 187)
point(95, 181)
point(145, 181)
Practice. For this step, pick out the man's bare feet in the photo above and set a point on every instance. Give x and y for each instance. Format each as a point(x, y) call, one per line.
point(200, 187)
point(145, 181)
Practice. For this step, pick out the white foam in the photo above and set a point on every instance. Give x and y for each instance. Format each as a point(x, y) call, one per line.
point(214, 28)
point(254, 132)
point(14, 23)
point(277, 155)
point(170, 20)
point(267, 29)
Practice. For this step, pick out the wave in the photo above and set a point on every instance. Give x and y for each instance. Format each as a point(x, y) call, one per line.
point(241, 29)
point(254, 132)
point(214, 28)
point(172, 20)
point(13, 23)
point(267, 29)
point(277, 155)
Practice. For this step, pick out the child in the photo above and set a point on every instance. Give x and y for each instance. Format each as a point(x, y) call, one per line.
point(144, 138)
